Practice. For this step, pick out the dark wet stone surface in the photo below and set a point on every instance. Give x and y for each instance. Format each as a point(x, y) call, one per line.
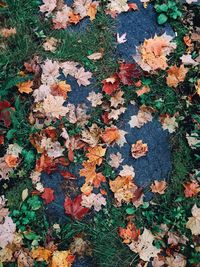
point(156, 164)
point(138, 26)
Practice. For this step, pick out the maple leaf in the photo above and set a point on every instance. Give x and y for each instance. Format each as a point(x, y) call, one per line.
point(139, 149)
point(128, 71)
point(74, 18)
point(25, 87)
point(5, 32)
point(187, 60)
point(50, 44)
point(111, 84)
point(92, 10)
point(127, 171)
point(140, 119)
point(117, 99)
point(50, 72)
point(99, 178)
point(115, 113)
point(194, 222)
point(176, 75)
point(41, 254)
point(95, 98)
point(6, 255)
point(41, 93)
point(92, 135)
point(60, 89)
point(53, 106)
point(130, 233)
point(83, 77)
point(143, 90)
point(7, 229)
point(95, 154)
point(80, 247)
point(168, 123)
point(144, 246)
point(48, 6)
point(5, 112)
point(121, 39)
point(89, 170)
point(176, 260)
point(117, 6)
point(123, 188)
point(110, 135)
point(62, 259)
point(74, 208)
point(61, 19)
point(94, 200)
point(45, 163)
point(48, 195)
point(115, 160)
point(152, 54)
point(191, 189)
point(158, 187)
point(69, 67)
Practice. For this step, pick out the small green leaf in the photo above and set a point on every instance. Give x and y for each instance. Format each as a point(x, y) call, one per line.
point(162, 18)
point(130, 211)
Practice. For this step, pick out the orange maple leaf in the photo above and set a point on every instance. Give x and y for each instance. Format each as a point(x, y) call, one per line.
point(61, 89)
point(74, 18)
point(89, 170)
point(191, 189)
point(176, 75)
point(92, 10)
point(95, 154)
point(25, 87)
point(41, 254)
point(110, 135)
point(158, 187)
point(130, 233)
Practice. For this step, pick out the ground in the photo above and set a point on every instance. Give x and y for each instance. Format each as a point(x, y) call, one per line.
point(99, 134)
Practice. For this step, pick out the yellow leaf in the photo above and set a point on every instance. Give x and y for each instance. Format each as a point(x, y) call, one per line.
point(95, 154)
point(41, 254)
point(62, 259)
point(25, 87)
point(176, 75)
point(92, 10)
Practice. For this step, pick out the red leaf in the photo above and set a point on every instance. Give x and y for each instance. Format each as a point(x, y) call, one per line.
point(74, 208)
point(111, 84)
point(67, 175)
point(126, 73)
point(105, 118)
point(1, 139)
point(48, 195)
point(70, 155)
point(4, 113)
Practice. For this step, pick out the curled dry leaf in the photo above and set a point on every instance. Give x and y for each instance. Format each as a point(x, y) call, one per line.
point(139, 149)
point(158, 187)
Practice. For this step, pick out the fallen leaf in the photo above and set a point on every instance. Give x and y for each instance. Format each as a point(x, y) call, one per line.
point(50, 44)
point(48, 6)
point(60, 89)
point(94, 200)
point(74, 208)
point(115, 160)
point(41, 254)
point(139, 149)
point(53, 106)
point(24, 194)
point(111, 84)
point(95, 154)
point(176, 75)
point(121, 39)
point(62, 259)
point(83, 77)
point(110, 135)
point(144, 246)
point(92, 10)
point(48, 195)
point(5, 32)
point(127, 72)
point(91, 136)
point(7, 229)
point(191, 189)
point(130, 233)
point(158, 187)
point(194, 222)
point(25, 87)
point(95, 98)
